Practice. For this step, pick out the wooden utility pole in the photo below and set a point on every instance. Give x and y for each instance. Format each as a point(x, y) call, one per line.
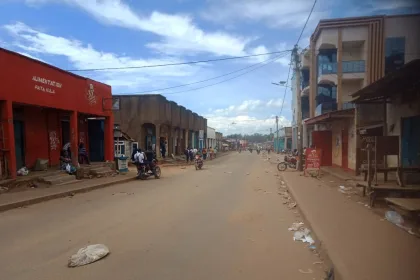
point(299, 106)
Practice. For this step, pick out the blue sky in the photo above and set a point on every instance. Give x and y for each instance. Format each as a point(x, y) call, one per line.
point(83, 34)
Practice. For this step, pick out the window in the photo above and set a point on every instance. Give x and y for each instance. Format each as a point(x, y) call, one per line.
point(119, 148)
point(394, 53)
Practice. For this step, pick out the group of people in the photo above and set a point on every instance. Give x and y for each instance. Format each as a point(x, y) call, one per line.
point(143, 158)
point(66, 157)
point(203, 153)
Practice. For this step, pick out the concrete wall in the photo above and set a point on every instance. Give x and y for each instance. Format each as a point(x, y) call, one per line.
point(349, 87)
point(337, 152)
point(327, 39)
point(398, 26)
point(354, 33)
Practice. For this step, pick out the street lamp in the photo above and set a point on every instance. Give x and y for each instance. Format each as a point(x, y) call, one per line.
point(281, 83)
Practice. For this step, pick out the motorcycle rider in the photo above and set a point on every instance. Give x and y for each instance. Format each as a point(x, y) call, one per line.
point(150, 156)
point(138, 160)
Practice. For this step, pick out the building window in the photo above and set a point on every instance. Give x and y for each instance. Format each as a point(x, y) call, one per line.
point(394, 53)
point(119, 148)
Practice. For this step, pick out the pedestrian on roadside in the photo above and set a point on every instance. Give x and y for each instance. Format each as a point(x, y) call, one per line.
point(191, 155)
point(187, 154)
point(204, 153)
point(83, 156)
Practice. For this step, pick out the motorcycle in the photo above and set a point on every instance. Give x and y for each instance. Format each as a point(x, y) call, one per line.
point(289, 161)
point(147, 170)
point(198, 162)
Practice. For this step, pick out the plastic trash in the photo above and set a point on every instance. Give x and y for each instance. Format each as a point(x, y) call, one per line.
point(304, 236)
point(23, 171)
point(88, 254)
point(394, 217)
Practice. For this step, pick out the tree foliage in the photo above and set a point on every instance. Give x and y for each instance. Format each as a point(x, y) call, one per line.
point(255, 138)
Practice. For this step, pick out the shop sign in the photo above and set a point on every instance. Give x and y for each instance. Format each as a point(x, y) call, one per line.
point(312, 160)
point(47, 86)
point(201, 134)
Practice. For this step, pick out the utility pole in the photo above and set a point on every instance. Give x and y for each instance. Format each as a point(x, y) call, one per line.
point(299, 106)
point(277, 129)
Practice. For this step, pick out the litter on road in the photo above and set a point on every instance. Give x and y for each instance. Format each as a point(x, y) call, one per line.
point(88, 254)
point(304, 236)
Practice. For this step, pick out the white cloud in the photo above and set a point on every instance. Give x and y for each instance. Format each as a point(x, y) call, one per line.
point(83, 56)
point(252, 105)
point(179, 33)
point(223, 119)
point(274, 13)
point(244, 124)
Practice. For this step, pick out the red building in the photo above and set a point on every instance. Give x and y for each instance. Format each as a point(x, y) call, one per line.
point(43, 107)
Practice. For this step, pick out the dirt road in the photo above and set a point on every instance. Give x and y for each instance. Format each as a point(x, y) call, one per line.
point(224, 222)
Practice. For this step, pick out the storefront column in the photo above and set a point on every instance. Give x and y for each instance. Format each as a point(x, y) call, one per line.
point(9, 137)
point(157, 147)
point(109, 138)
point(74, 139)
point(186, 138)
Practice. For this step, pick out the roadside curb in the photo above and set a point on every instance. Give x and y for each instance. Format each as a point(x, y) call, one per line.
point(317, 232)
point(341, 177)
point(39, 199)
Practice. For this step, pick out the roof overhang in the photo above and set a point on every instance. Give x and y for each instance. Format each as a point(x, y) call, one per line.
point(331, 116)
point(402, 81)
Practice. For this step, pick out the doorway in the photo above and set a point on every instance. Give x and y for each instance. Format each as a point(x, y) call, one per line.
point(65, 132)
point(19, 143)
point(323, 140)
point(344, 149)
point(410, 142)
point(96, 140)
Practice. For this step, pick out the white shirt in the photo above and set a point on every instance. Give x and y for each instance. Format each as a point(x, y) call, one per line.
point(139, 157)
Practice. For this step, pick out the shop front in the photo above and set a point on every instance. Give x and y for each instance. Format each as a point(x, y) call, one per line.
point(336, 138)
point(42, 108)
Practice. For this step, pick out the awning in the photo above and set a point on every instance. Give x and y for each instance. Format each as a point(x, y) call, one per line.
point(402, 81)
point(331, 116)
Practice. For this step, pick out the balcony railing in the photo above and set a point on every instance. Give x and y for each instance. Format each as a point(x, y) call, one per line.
point(325, 108)
point(348, 105)
point(357, 66)
point(327, 68)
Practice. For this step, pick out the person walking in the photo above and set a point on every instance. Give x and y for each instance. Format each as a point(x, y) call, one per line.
point(83, 156)
point(204, 153)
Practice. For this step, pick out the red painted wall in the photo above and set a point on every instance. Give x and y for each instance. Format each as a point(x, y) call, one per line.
point(323, 140)
point(28, 81)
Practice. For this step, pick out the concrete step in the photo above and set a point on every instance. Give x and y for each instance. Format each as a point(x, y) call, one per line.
point(68, 182)
point(55, 180)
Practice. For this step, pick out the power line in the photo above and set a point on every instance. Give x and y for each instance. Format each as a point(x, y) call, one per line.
point(174, 64)
point(303, 29)
point(263, 63)
point(197, 82)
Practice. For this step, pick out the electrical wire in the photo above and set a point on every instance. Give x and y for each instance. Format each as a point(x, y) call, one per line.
point(197, 82)
point(261, 64)
point(309, 16)
point(174, 64)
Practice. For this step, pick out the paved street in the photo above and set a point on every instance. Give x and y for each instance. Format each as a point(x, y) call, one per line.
point(217, 223)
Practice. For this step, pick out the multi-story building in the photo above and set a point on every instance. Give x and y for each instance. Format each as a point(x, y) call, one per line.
point(345, 56)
